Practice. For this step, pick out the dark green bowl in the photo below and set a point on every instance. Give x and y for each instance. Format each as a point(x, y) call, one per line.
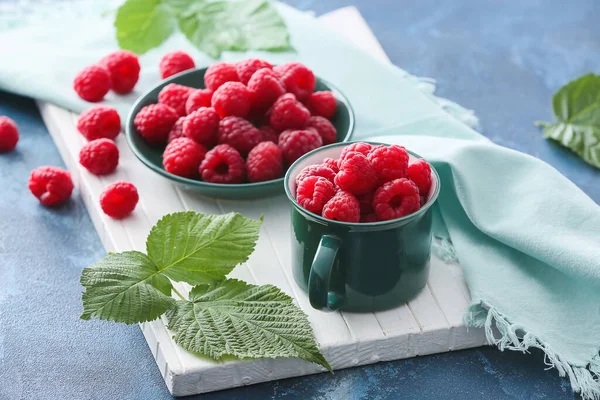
point(152, 156)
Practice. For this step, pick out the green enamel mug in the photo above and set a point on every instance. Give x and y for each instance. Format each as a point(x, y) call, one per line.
point(358, 266)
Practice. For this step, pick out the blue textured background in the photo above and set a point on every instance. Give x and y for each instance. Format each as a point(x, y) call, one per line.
point(504, 59)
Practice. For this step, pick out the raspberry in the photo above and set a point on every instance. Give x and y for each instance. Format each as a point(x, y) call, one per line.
point(314, 192)
point(177, 130)
point(198, 98)
point(154, 122)
point(9, 134)
point(420, 173)
point(99, 156)
point(342, 207)
point(246, 68)
point(325, 128)
point(360, 147)
point(396, 199)
point(51, 185)
point(356, 174)
point(92, 83)
point(322, 104)
point(288, 113)
point(99, 122)
point(238, 133)
point(371, 217)
point(175, 96)
point(232, 99)
point(268, 134)
point(366, 203)
point(331, 163)
point(264, 162)
point(174, 63)
point(124, 69)
point(223, 164)
point(390, 162)
point(183, 156)
point(295, 144)
point(265, 88)
point(219, 73)
point(202, 126)
point(315, 170)
point(297, 79)
point(119, 199)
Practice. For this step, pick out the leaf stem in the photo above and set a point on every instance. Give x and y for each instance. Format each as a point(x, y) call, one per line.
point(178, 294)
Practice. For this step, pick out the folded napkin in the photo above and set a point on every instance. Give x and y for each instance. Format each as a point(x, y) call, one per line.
point(527, 238)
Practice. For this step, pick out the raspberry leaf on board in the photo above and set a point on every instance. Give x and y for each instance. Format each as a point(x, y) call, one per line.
point(232, 317)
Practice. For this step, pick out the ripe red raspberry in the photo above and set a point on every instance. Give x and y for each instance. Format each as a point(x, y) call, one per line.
point(331, 163)
point(154, 122)
point(92, 83)
point(223, 164)
point(264, 162)
point(322, 104)
point(177, 130)
point(175, 96)
point(219, 73)
point(342, 207)
point(371, 217)
point(124, 69)
point(119, 199)
point(360, 147)
point(265, 88)
point(268, 134)
point(51, 185)
point(396, 199)
point(100, 156)
point(99, 122)
point(174, 63)
point(246, 68)
point(238, 133)
point(325, 128)
point(366, 203)
point(313, 192)
point(202, 126)
point(295, 144)
point(356, 175)
point(197, 99)
point(183, 156)
point(9, 134)
point(390, 162)
point(315, 170)
point(420, 173)
point(232, 99)
point(297, 79)
point(288, 113)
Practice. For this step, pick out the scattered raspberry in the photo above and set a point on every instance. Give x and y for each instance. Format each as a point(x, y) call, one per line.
point(295, 144)
point(342, 207)
point(264, 162)
point(246, 68)
point(51, 185)
point(322, 104)
point(313, 192)
point(265, 88)
point(174, 63)
point(331, 163)
point(238, 133)
point(99, 122)
point(175, 96)
point(232, 99)
point(371, 217)
point(100, 156)
point(268, 134)
point(124, 69)
point(360, 147)
point(92, 83)
point(420, 173)
point(297, 79)
point(183, 156)
point(325, 128)
point(390, 162)
point(154, 122)
point(177, 130)
point(223, 164)
point(219, 73)
point(197, 99)
point(366, 203)
point(288, 113)
point(9, 134)
point(119, 199)
point(202, 126)
point(396, 199)
point(315, 170)
point(356, 174)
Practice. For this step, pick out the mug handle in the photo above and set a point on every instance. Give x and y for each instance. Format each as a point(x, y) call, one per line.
point(319, 279)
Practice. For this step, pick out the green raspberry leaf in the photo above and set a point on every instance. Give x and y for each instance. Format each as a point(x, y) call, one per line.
point(125, 287)
point(234, 318)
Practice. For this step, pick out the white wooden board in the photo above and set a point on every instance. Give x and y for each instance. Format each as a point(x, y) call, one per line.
point(431, 323)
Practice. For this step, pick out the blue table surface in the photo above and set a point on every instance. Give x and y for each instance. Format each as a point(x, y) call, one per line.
point(504, 59)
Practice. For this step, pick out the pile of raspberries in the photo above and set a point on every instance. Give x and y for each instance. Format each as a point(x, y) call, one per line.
point(365, 184)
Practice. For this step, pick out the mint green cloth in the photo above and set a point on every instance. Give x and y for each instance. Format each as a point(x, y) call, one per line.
point(527, 238)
